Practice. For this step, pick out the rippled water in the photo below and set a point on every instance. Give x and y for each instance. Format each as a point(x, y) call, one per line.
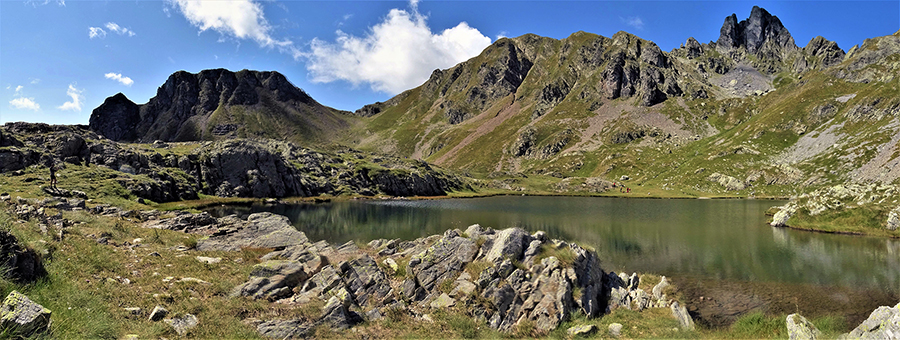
point(705, 242)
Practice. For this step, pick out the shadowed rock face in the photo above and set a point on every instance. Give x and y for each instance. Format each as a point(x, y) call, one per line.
point(754, 32)
point(184, 106)
point(119, 119)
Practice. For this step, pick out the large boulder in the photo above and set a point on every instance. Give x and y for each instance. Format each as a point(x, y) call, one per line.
point(883, 323)
point(681, 314)
point(509, 244)
point(260, 230)
point(19, 316)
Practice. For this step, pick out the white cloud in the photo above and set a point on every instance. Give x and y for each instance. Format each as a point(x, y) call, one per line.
point(77, 99)
point(113, 27)
point(242, 19)
point(397, 54)
point(96, 32)
point(635, 22)
point(35, 81)
point(119, 78)
point(19, 88)
point(25, 103)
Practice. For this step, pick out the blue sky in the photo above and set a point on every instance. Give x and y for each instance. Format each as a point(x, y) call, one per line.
point(60, 59)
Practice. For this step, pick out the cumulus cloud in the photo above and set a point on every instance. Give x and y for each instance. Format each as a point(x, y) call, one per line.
point(635, 22)
point(396, 54)
point(25, 103)
point(119, 78)
point(77, 99)
point(19, 88)
point(242, 19)
point(113, 27)
point(96, 32)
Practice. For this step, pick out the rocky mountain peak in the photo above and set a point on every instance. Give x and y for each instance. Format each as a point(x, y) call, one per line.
point(754, 32)
point(119, 118)
point(198, 106)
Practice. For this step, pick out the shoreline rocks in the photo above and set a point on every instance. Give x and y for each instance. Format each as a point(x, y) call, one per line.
point(503, 277)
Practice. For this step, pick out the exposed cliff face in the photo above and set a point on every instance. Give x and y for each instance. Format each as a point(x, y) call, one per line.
point(217, 103)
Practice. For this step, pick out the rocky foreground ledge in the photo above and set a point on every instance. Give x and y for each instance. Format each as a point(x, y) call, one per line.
point(503, 277)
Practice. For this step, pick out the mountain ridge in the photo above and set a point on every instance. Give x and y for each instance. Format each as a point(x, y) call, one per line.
point(215, 103)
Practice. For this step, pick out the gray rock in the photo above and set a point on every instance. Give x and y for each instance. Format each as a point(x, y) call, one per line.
point(883, 323)
point(364, 279)
point(615, 329)
point(893, 221)
point(782, 216)
point(583, 330)
point(443, 301)
point(272, 280)
point(209, 260)
point(261, 230)
point(280, 329)
point(510, 244)
point(19, 316)
point(442, 261)
point(681, 314)
point(158, 313)
point(730, 183)
point(801, 329)
point(183, 324)
point(659, 288)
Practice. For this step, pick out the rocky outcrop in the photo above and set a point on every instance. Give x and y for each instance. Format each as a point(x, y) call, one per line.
point(819, 53)
point(883, 323)
point(183, 108)
point(760, 33)
point(242, 168)
point(120, 116)
point(730, 183)
point(21, 317)
point(521, 277)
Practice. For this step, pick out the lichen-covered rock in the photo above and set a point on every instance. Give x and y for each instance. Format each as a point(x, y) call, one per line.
point(801, 329)
point(19, 316)
point(883, 323)
point(583, 330)
point(184, 323)
point(615, 329)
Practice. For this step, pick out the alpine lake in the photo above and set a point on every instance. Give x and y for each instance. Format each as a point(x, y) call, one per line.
point(722, 254)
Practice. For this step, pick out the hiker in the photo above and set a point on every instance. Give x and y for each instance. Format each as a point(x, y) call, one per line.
point(53, 176)
point(628, 190)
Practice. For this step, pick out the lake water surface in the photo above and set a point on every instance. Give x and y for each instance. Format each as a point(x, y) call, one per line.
point(722, 250)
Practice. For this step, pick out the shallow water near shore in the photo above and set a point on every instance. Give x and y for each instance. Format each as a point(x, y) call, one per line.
point(721, 250)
